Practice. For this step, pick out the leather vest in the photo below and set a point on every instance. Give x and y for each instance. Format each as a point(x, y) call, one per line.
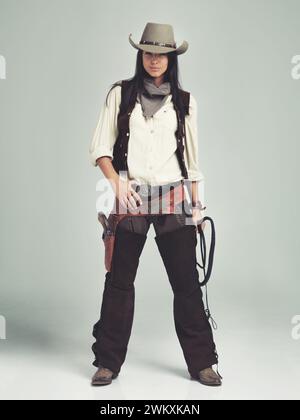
point(120, 149)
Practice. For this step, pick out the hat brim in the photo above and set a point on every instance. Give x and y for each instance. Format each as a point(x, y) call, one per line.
point(159, 49)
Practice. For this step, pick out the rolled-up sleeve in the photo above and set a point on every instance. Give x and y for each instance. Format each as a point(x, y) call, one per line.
point(191, 146)
point(106, 131)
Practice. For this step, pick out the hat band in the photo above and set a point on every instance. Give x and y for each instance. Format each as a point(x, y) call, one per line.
point(161, 44)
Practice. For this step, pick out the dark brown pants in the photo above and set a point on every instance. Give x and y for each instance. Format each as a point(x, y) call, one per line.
point(176, 242)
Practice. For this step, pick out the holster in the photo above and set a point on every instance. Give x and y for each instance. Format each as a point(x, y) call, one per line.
point(172, 198)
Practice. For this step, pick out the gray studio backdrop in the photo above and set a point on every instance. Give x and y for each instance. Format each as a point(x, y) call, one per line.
point(58, 60)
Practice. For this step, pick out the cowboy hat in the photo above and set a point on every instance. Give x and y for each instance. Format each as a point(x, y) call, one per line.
point(158, 38)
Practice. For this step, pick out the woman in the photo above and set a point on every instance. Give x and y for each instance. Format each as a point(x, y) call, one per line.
point(149, 112)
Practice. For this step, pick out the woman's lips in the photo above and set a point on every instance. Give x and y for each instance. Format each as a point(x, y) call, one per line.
point(153, 68)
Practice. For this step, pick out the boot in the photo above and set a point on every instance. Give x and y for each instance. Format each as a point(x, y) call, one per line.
point(209, 377)
point(103, 376)
point(178, 251)
point(113, 330)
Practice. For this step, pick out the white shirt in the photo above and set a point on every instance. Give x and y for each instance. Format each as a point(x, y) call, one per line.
point(152, 143)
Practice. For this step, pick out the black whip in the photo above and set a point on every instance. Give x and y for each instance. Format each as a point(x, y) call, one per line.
point(210, 261)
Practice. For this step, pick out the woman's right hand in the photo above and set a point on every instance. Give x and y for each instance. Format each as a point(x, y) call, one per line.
point(126, 194)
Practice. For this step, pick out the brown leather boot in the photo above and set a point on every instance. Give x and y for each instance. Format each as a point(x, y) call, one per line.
point(103, 376)
point(209, 377)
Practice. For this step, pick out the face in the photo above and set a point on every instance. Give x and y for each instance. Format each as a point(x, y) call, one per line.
point(155, 64)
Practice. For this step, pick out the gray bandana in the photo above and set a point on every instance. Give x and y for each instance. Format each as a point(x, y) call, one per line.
point(153, 97)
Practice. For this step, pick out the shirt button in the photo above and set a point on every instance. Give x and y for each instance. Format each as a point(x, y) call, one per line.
point(127, 134)
point(152, 131)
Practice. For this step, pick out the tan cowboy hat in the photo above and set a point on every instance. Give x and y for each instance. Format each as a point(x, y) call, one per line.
point(159, 38)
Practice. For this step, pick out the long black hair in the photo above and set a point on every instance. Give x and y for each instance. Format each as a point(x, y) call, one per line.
point(171, 75)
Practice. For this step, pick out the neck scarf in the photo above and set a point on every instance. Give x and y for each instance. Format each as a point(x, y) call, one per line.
point(153, 97)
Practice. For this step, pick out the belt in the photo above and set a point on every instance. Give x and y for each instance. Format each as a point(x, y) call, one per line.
point(154, 191)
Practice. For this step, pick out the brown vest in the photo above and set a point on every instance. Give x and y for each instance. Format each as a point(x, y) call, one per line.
point(120, 149)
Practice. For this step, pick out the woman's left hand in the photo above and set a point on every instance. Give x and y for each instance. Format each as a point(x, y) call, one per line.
point(197, 216)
